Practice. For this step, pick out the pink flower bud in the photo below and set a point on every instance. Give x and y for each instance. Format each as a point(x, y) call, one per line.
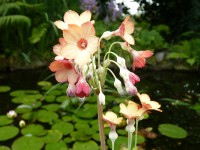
point(82, 88)
point(133, 78)
point(130, 88)
point(71, 90)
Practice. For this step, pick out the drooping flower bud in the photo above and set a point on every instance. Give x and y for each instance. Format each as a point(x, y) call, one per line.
point(101, 98)
point(82, 88)
point(130, 88)
point(118, 86)
point(71, 90)
point(107, 35)
point(121, 62)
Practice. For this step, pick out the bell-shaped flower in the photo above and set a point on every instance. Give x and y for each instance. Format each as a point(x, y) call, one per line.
point(81, 43)
point(57, 48)
point(131, 111)
point(112, 119)
point(72, 17)
point(125, 30)
point(101, 98)
point(82, 88)
point(118, 86)
point(71, 90)
point(139, 58)
point(147, 104)
point(64, 71)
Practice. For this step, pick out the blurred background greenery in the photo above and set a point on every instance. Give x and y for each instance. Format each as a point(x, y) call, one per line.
point(169, 28)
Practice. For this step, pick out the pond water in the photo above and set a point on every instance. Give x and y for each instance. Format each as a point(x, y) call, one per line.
point(174, 85)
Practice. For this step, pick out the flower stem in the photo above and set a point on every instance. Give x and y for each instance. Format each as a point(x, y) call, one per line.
point(129, 140)
point(101, 127)
point(113, 144)
point(136, 129)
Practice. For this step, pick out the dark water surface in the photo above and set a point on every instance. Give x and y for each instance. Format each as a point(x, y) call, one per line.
point(181, 85)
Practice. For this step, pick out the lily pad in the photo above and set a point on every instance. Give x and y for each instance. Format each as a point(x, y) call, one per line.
point(87, 111)
point(90, 145)
point(23, 108)
point(56, 146)
point(4, 148)
point(80, 136)
point(27, 99)
point(52, 107)
point(4, 120)
point(172, 131)
point(50, 98)
point(23, 92)
point(27, 142)
point(4, 88)
point(8, 132)
point(33, 129)
point(62, 98)
point(52, 136)
point(46, 116)
point(44, 83)
point(63, 127)
point(66, 118)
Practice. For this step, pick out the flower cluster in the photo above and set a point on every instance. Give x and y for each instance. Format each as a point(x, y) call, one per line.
point(78, 62)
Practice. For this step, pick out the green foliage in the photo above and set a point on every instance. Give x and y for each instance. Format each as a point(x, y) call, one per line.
point(187, 50)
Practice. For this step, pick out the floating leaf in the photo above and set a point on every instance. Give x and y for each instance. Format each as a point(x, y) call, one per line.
point(46, 116)
point(87, 111)
point(4, 148)
point(68, 140)
point(50, 98)
point(90, 145)
point(80, 136)
point(56, 146)
point(44, 83)
point(4, 88)
point(27, 99)
point(66, 118)
point(172, 131)
point(52, 136)
point(61, 99)
point(23, 108)
point(33, 129)
point(8, 132)
point(63, 127)
point(23, 92)
point(52, 107)
point(27, 143)
point(4, 120)
point(96, 137)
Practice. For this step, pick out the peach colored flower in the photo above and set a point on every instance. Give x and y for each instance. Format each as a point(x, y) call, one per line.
point(125, 30)
point(57, 48)
point(139, 58)
point(81, 43)
point(65, 71)
point(147, 104)
point(112, 119)
point(132, 110)
point(72, 17)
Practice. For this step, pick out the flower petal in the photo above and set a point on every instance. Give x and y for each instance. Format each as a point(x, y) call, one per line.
point(61, 76)
point(85, 16)
point(145, 54)
point(61, 25)
point(73, 34)
point(129, 39)
point(87, 30)
point(129, 27)
point(93, 43)
point(71, 17)
point(56, 66)
point(69, 51)
point(82, 58)
point(72, 76)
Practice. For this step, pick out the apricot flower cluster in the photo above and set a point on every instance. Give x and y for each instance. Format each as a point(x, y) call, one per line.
point(78, 62)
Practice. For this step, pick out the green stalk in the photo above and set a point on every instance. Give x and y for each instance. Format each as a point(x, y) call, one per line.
point(136, 130)
point(129, 140)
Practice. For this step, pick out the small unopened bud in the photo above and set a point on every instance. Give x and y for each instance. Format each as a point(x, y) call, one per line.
point(22, 123)
point(11, 114)
point(130, 88)
point(71, 90)
point(113, 135)
point(121, 61)
point(101, 98)
point(118, 85)
point(107, 35)
point(130, 128)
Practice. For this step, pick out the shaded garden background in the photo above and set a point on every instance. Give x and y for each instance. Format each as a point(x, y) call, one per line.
point(170, 28)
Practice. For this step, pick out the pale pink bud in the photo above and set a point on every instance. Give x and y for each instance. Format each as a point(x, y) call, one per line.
point(101, 98)
point(82, 88)
point(130, 88)
point(133, 78)
point(71, 90)
point(121, 61)
point(118, 85)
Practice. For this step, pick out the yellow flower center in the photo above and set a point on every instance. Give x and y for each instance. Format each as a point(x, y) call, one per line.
point(82, 43)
